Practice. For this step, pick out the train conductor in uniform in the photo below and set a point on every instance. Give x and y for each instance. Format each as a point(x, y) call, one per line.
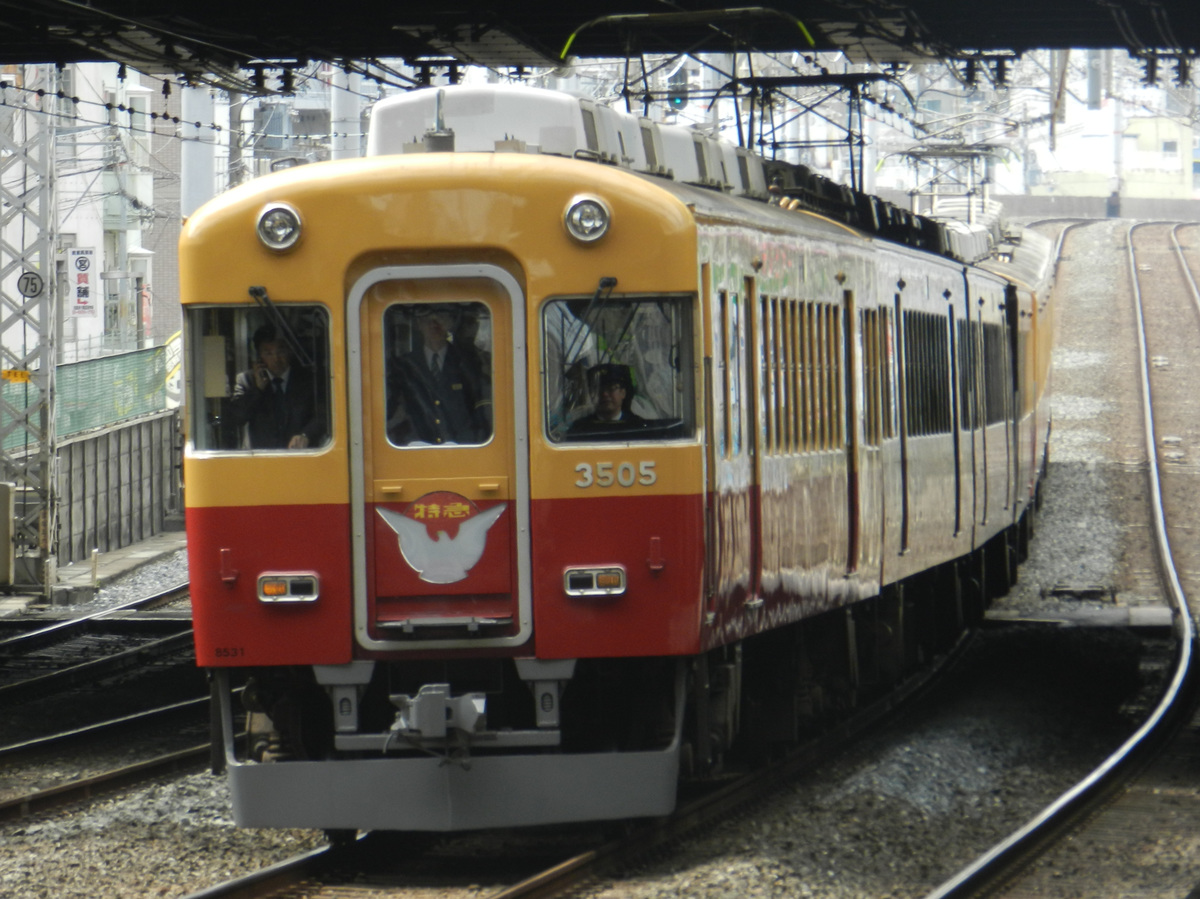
point(444, 390)
point(275, 399)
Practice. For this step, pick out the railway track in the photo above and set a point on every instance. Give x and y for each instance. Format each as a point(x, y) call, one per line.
point(326, 873)
point(85, 648)
point(1131, 799)
point(66, 703)
point(116, 778)
point(999, 862)
point(82, 649)
point(595, 847)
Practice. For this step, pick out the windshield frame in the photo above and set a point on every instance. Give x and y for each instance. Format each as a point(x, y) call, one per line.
point(660, 377)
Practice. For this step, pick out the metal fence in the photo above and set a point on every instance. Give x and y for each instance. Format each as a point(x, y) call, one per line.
point(118, 449)
point(100, 392)
point(118, 486)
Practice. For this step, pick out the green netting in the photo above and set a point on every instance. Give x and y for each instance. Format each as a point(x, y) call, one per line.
point(97, 392)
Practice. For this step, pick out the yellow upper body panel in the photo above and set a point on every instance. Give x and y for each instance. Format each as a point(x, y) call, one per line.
point(400, 209)
point(505, 210)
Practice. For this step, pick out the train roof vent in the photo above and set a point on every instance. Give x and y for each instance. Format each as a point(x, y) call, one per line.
point(520, 119)
point(544, 121)
point(748, 178)
point(679, 153)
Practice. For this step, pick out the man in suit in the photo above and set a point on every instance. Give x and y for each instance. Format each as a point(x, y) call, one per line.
point(614, 400)
point(274, 399)
point(444, 390)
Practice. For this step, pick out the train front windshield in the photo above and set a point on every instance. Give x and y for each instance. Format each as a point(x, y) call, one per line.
point(619, 370)
point(438, 374)
point(260, 377)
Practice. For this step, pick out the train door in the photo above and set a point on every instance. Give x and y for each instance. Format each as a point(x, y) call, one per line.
point(734, 572)
point(971, 404)
point(902, 373)
point(878, 427)
point(955, 410)
point(853, 470)
point(1012, 328)
point(753, 373)
point(439, 461)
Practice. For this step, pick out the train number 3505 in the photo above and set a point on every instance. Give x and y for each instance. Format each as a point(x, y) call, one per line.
point(624, 474)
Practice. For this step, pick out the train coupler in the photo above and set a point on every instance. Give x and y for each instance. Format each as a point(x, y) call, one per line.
point(433, 712)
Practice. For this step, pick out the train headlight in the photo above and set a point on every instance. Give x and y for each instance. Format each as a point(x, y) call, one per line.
point(587, 219)
point(278, 227)
point(594, 581)
point(283, 587)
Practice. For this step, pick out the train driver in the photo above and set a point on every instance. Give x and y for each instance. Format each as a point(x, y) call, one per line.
point(274, 399)
point(614, 399)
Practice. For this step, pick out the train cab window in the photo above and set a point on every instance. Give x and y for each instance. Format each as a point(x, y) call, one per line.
point(260, 377)
point(438, 374)
point(618, 370)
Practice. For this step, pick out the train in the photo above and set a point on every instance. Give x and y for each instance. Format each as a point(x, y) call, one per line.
point(547, 457)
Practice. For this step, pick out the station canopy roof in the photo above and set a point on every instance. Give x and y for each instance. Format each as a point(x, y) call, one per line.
point(219, 40)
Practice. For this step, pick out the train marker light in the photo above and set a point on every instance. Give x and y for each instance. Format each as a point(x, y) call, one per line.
point(587, 219)
point(594, 581)
point(278, 227)
point(288, 588)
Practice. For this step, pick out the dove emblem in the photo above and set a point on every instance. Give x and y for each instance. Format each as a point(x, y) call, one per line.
point(444, 559)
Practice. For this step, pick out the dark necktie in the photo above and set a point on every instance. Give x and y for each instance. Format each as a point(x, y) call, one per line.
point(278, 411)
point(435, 367)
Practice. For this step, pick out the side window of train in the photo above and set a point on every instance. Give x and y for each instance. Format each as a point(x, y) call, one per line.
point(438, 374)
point(771, 400)
point(887, 374)
point(927, 364)
point(969, 350)
point(735, 346)
point(720, 377)
point(619, 369)
point(873, 368)
point(877, 375)
point(996, 373)
point(260, 377)
point(802, 373)
point(984, 374)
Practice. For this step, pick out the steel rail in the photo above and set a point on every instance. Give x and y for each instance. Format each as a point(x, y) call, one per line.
point(725, 801)
point(88, 787)
point(271, 879)
point(60, 629)
point(1183, 266)
point(50, 741)
point(716, 805)
point(95, 669)
point(1003, 859)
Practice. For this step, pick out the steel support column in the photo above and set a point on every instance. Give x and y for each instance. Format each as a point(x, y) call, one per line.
point(28, 324)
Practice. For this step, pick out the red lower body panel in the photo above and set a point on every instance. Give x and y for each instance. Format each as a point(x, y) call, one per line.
point(658, 540)
point(229, 548)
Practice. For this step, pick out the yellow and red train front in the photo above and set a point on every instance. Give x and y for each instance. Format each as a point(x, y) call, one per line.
point(495, 514)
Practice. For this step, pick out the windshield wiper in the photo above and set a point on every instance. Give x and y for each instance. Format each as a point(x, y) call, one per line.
point(281, 325)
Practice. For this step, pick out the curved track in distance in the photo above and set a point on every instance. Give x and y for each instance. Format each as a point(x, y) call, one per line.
point(1168, 318)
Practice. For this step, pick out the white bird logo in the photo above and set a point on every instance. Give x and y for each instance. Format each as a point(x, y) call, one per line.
point(444, 559)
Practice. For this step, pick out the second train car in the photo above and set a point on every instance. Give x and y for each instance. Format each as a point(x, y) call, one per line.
point(546, 454)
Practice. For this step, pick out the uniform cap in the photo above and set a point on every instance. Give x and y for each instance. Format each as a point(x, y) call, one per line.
point(612, 373)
